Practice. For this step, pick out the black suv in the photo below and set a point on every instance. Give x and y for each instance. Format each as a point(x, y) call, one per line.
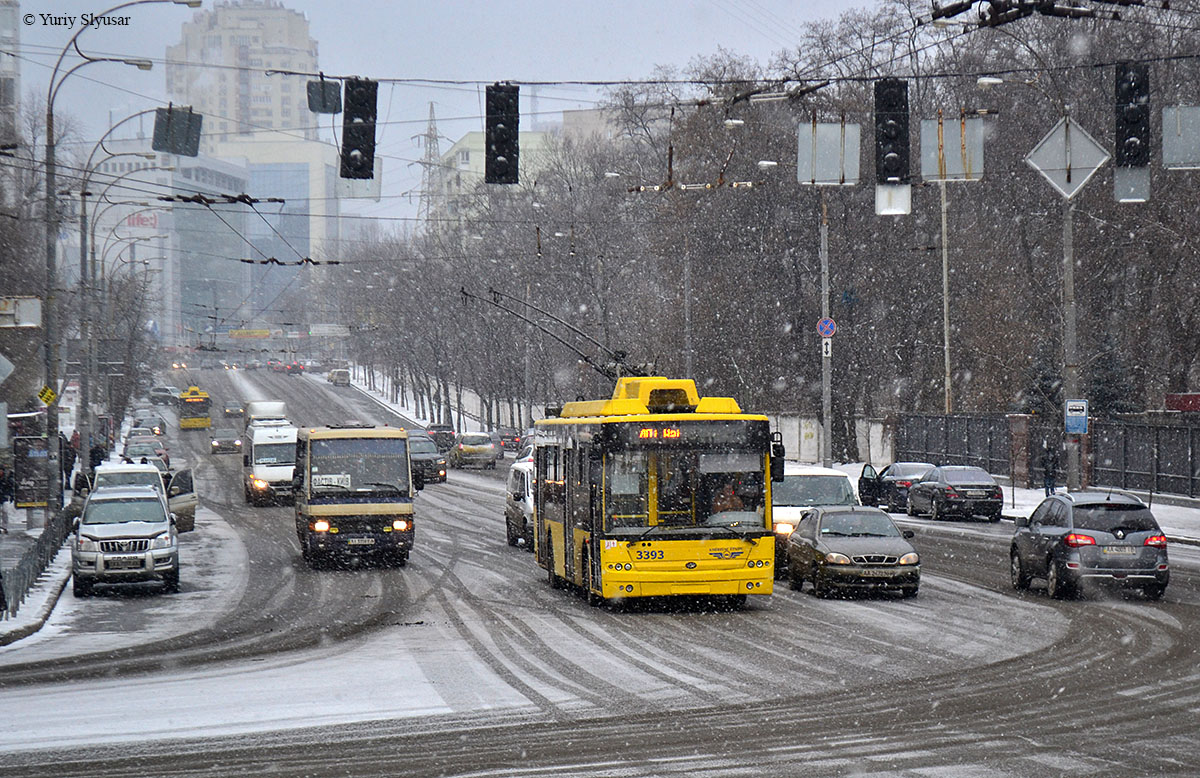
point(426, 459)
point(1094, 536)
point(442, 434)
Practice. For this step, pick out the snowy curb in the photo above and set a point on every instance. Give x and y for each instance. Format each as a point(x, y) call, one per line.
point(43, 596)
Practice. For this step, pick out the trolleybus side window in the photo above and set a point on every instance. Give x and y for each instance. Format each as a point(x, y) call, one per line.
point(551, 477)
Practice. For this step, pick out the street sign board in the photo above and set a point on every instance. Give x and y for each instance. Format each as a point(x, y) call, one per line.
point(47, 395)
point(1067, 157)
point(1076, 417)
point(828, 154)
point(826, 327)
point(1181, 137)
point(6, 368)
point(826, 347)
point(952, 150)
point(30, 480)
point(20, 311)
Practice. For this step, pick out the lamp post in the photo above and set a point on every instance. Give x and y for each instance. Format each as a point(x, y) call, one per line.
point(83, 421)
point(1070, 381)
point(53, 496)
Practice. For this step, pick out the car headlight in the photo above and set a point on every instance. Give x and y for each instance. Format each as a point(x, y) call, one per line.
point(162, 541)
point(86, 544)
point(215, 443)
point(783, 528)
point(910, 559)
point(259, 483)
point(835, 558)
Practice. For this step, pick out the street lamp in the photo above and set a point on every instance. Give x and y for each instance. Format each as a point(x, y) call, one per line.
point(53, 498)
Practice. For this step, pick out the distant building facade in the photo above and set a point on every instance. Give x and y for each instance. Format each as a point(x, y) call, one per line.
point(241, 40)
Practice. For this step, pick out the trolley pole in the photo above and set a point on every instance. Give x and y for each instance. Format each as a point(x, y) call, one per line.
point(826, 357)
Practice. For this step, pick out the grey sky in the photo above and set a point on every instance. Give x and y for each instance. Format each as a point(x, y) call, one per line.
point(478, 40)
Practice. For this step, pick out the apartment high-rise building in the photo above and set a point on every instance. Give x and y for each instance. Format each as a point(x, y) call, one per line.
point(219, 68)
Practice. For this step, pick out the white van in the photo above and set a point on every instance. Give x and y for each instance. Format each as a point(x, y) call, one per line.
point(338, 377)
point(518, 504)
point(268, 461)
point(802, 487)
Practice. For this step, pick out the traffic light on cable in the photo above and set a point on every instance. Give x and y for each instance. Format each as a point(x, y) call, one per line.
point(1131, 176)
point(358, 128)
point(501, 132)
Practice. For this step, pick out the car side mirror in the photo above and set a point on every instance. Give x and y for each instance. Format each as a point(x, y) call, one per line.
point(174, 518)
point(174, 491)
point(908, 534)
point(518, 496)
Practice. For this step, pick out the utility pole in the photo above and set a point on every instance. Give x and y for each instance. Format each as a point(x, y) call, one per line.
point(1070, 343)
point(826, 357)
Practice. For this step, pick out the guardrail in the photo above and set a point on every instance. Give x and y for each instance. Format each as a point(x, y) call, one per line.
point(20, 578)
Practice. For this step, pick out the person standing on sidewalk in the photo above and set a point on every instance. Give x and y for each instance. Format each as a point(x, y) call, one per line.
point(1049, 463)
point(6, 494)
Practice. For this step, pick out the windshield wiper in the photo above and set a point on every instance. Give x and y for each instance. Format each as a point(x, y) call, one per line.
point(391, 486)
point(733, 532)
point(649, 529)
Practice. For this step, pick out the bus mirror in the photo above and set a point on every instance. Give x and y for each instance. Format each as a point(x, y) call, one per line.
point(777, 455)
point(418, 481)
point(245, 460)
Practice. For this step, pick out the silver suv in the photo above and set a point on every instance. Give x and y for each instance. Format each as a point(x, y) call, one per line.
point(125, 534)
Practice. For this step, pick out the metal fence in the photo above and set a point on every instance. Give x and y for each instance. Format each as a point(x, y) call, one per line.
point(20, 577)
point(982, 441)
point(1146, 457)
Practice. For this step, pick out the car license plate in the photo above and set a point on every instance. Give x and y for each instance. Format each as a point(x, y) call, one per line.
point(869, 573)
point(123, 562)
point(1117, 549)
point(361, 541)
point(976, 493)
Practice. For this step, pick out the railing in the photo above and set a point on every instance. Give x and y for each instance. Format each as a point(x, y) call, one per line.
point(1146, 457)
point(20, 578)
point(983, 441)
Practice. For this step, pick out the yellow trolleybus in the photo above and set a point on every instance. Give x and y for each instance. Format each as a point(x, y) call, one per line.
point(656, 491)
point(194, 407)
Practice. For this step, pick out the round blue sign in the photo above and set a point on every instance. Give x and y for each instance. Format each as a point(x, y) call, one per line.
point(826, 327)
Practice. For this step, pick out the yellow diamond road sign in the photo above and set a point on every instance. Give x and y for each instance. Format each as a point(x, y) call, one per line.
point(47, 395)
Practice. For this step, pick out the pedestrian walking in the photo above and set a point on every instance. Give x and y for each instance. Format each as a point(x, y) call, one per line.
point(96, 457)
point(68, 462)
point(6, 495)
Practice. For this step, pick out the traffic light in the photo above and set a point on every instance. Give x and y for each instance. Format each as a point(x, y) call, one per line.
point(358, 129)
point(891, 131)
point(1133, 115)
point(502, 123)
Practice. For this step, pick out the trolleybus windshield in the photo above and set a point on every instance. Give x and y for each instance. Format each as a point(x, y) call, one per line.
point(340, 465)
point(671, 489)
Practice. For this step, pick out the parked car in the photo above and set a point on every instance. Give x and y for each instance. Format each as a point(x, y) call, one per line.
point(518, 504)
point(852, 547)
point(426, 459)
point(176, 489)
point(955, 490)
point(889, 487)
point(802, 487)
point(144, 448)
point(510, 438)
point(124, 534)
point(442, 434)
point(1090, 537)
point(225, 440)
point(151, 421)
point(473, 448)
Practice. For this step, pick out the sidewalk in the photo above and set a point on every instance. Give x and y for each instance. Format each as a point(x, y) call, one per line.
point(1179, 520)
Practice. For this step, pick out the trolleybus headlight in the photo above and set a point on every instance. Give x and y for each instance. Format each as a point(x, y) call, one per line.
point(400, 524)
point(783, 528)
point(910, 559)
point(835, 558)
point(320, 525)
